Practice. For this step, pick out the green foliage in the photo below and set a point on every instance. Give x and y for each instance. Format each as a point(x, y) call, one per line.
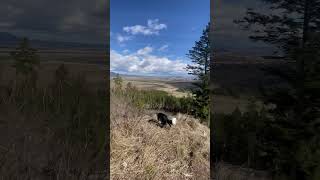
point(261, 140)
point(201, 99)
point(25, 58)
point(294, 122)
point(285, 30)
point(118, 81)
point(295, 118)
point(25, 62)
point(240, 138)
point(154, 99)
point(200, 56)
point(160, 100)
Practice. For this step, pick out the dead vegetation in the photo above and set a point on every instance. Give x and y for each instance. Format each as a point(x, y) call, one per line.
point(231, 172)
point(52, 130)
point(142, 150)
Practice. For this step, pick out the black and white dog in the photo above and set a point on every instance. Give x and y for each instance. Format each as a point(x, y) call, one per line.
point(165, 120)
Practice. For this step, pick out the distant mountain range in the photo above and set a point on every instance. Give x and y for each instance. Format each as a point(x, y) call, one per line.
point(8, 40)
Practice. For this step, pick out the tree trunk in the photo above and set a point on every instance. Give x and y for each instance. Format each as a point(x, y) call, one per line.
point(300, 58)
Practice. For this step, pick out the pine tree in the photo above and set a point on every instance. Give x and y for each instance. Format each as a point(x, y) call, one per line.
point(200, 56)
point(25, 58)
point(26, 62)
point(293, 26)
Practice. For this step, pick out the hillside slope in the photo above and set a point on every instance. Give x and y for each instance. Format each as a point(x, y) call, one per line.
point(142, 150)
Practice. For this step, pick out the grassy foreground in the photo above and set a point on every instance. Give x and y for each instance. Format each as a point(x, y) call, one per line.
point(53, 130)
point(142, 150)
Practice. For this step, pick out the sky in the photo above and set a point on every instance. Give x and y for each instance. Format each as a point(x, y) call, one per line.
point(153, 37)
point(228, 36)
point(147, 36)
point(59, 20)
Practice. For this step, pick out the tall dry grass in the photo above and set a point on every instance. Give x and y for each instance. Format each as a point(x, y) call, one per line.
point(231, 172)
point(56, 131)
point(142, 150)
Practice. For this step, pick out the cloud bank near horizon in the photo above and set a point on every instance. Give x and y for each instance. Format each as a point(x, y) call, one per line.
point(143, 61)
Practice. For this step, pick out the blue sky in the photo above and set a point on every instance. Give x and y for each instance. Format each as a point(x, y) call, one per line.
point(153, 37)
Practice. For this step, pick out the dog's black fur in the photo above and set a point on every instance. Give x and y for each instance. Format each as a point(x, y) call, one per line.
point(164, 120)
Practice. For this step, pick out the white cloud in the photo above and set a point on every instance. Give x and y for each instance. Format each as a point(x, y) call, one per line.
point(122, 39)
point(163, 48)
point(153, 28)
point(143, 61)
point(145, 51)
point(154, 24)
point(137, 29)
point(126, 51)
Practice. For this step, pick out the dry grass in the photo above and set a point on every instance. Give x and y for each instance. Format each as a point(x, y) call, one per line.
point(94, 73)
point(40, 140)
point(142, 150)
point(30, 148)
point(158, 85)
point(231, 172)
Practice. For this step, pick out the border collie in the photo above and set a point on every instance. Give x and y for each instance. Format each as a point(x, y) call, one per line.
point(165, 120)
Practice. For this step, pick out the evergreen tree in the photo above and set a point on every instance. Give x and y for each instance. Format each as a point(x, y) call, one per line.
point(25, 58)
point(118, 82)
point(26, 62)
point(293, 26)
point(200, 56)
